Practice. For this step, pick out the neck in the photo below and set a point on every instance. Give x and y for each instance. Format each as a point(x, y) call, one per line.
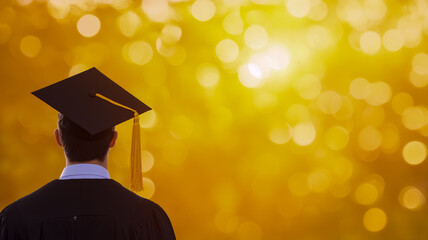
point(103, 163)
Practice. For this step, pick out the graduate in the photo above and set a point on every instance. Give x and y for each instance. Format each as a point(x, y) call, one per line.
point(85, 203)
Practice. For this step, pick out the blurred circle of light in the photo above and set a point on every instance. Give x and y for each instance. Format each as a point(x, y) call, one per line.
point(337, 137)
point(247, 78)
point(147, 161)
point(166, 50)
point(369, 138)
point(280, 135)
point(375, 9)
point(341, 169)
point(374, 219)
point(255, 70)
point(5, 32)
point(260, 65)
point(346, 110)
point(411, 30)
point(319, 37)
point(298, 184)
point(378, 93)
point(233, 23)
point(88, 25)
point(156, 10)
point(24, 2)
point(140, 52)
point(249, 231)
point(414, 152)
point(370, 42)
point(393, 40)
point(354, 15)
point(256, 37)
point(226, 221)
point(411, 198)
point(390, 138)
point(418, 80)
point(149, 188)
point(400, 102)
point(207, 75)
point(129, 23)
point(318, 10)
point(278, 56)
point(304, 134)
point(30, 46)
point(329, 102)
point(340, 190)
point(203, 10)
point(414, 118)
point(58, 9)
point(420, 63)
point(308, 86)
point(78, 68)
point(148, 119)
point(359, 88)
point(227, 50)
point(318, 181)
point(120, 4)
point(171, 34)
point(298, 8)
point(366, 194)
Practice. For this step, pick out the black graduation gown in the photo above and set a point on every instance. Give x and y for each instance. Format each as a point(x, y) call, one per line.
point(84, 209)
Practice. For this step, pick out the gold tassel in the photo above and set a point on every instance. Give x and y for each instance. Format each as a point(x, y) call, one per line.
point(136, 175)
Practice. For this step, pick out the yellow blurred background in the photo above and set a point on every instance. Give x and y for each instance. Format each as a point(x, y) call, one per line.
point(273, 119)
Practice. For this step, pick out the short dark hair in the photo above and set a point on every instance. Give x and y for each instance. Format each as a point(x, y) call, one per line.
point(79, 145)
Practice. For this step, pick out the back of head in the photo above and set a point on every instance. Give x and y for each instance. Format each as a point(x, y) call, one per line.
point(79, 145)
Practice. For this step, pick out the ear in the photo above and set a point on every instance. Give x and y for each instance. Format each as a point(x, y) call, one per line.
point(113, 140)
point(57, 138)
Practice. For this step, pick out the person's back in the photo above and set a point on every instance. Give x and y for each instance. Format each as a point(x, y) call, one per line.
point(84, 209)
point(84, 203)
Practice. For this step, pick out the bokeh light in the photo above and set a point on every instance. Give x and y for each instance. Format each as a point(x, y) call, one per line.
point(88, 25)
point(412, 198)
point(129, 23)
point(140, 52)
point(30, 46)
point(370, 42)
point(203, 10)
point(233, 23)
point(369, 138)
point(393, 40)
point(366, 194)
point(414, 152)
point(227, 50)
point(256, 37)
point(304, 133)
point(208, 75)
point(298, 8)
point(375, 219)
point(308, 86)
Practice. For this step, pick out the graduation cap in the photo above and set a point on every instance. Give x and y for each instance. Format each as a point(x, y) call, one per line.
point(95, 103)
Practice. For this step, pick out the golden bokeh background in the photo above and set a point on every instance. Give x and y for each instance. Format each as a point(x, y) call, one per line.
point(273, 119)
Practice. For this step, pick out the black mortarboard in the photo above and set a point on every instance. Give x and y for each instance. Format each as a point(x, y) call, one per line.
point(96, 103)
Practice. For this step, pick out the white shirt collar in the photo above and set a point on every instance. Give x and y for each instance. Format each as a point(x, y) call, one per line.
point(84, 171)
